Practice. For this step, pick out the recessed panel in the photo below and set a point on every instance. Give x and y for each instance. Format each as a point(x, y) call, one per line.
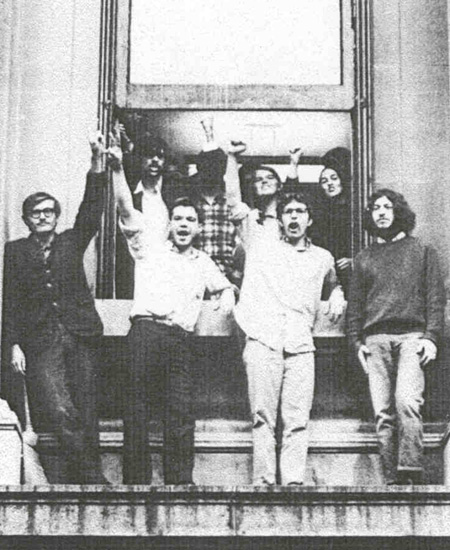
point(237, 42)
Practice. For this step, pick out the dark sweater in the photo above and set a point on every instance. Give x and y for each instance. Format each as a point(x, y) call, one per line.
point(396, 288)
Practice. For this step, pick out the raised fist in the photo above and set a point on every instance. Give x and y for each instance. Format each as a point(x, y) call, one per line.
point(236, 147)
point(97, 143)
point(295, 155)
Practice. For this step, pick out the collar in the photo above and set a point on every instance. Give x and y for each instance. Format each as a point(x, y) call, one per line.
point(44, 247)
point(306, 247)
point(156, 190)
point(193, 252)
point(219, 198)
point(397, 237)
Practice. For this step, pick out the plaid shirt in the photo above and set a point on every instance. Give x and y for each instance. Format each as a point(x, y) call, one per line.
point(217, 236)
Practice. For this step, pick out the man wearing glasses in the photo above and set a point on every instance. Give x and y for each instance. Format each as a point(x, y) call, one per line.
point(50, 322)
point(285, 277)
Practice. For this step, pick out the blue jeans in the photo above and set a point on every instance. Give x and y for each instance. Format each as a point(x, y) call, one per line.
point(397, 383)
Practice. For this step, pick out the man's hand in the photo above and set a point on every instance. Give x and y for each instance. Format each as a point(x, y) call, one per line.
point(208, 127)
point(295, 155)
point(335, 305)
point(427, 351)
point(126, 143)
point(344, 263)
point(97, 143)
point(115, 154)
point(18, 361)
point(363, 354)
point(236, 147)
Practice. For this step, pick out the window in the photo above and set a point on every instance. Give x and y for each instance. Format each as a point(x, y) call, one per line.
point(288, 54)
point(167, 64)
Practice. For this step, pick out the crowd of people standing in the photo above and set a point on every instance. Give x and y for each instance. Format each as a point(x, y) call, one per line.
point(266, 253)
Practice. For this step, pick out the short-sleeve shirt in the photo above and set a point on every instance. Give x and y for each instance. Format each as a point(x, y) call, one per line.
point(169, 286)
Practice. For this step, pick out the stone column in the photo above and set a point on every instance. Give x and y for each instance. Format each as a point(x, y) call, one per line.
point(411, 111)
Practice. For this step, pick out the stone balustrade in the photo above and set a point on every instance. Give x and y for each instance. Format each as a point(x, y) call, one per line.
point(236, 512)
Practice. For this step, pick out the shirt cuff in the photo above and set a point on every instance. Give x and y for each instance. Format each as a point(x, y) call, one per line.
point(209, 146)
point(239, 212)
point(129, 231)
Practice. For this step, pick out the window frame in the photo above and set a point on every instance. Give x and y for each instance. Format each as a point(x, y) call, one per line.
point(234, 97)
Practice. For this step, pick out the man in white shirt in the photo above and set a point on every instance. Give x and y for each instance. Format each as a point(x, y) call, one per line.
point(284, 280)
point(171, 278)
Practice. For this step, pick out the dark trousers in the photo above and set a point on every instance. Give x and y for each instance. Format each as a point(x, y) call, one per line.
point(160, 370)
point(61, 383)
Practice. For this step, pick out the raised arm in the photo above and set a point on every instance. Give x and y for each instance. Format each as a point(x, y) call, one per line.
point(122, 193)
point(294, 159)
point(208, 129)
point(232, 185)
point(89, 216)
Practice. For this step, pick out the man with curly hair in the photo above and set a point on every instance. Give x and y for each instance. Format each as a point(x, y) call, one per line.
point(395, 319)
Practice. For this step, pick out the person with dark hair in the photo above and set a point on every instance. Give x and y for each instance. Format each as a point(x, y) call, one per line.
point(395, 319)
point(171, 279)
point(285, 276)
point(153, 194)
point(33, 200)
point(217, 235)
point(267, 186)
point(333, 226)
point(50, 323)
point(246, 177)
point(404, 219)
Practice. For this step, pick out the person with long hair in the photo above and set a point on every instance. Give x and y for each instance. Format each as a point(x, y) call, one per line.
point(395, 320)
point(332, 228)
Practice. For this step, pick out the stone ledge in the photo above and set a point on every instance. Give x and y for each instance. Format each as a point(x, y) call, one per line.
point(144, 511)
point(222, 436)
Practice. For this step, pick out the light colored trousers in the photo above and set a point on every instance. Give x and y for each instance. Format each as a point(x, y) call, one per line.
point(276, 378)
point(397, 383)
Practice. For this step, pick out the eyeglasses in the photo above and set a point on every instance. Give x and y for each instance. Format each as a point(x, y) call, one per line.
point(151, 153)
point(48, 213)
point(296, 210)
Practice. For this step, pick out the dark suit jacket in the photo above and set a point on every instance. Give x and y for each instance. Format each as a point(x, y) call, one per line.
point(36, 294)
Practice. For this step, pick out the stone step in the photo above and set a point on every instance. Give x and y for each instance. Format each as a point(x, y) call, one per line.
point(341, 452)
point(234, 436)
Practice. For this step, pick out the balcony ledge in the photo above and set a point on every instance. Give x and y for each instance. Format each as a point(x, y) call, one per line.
point(245, 511)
